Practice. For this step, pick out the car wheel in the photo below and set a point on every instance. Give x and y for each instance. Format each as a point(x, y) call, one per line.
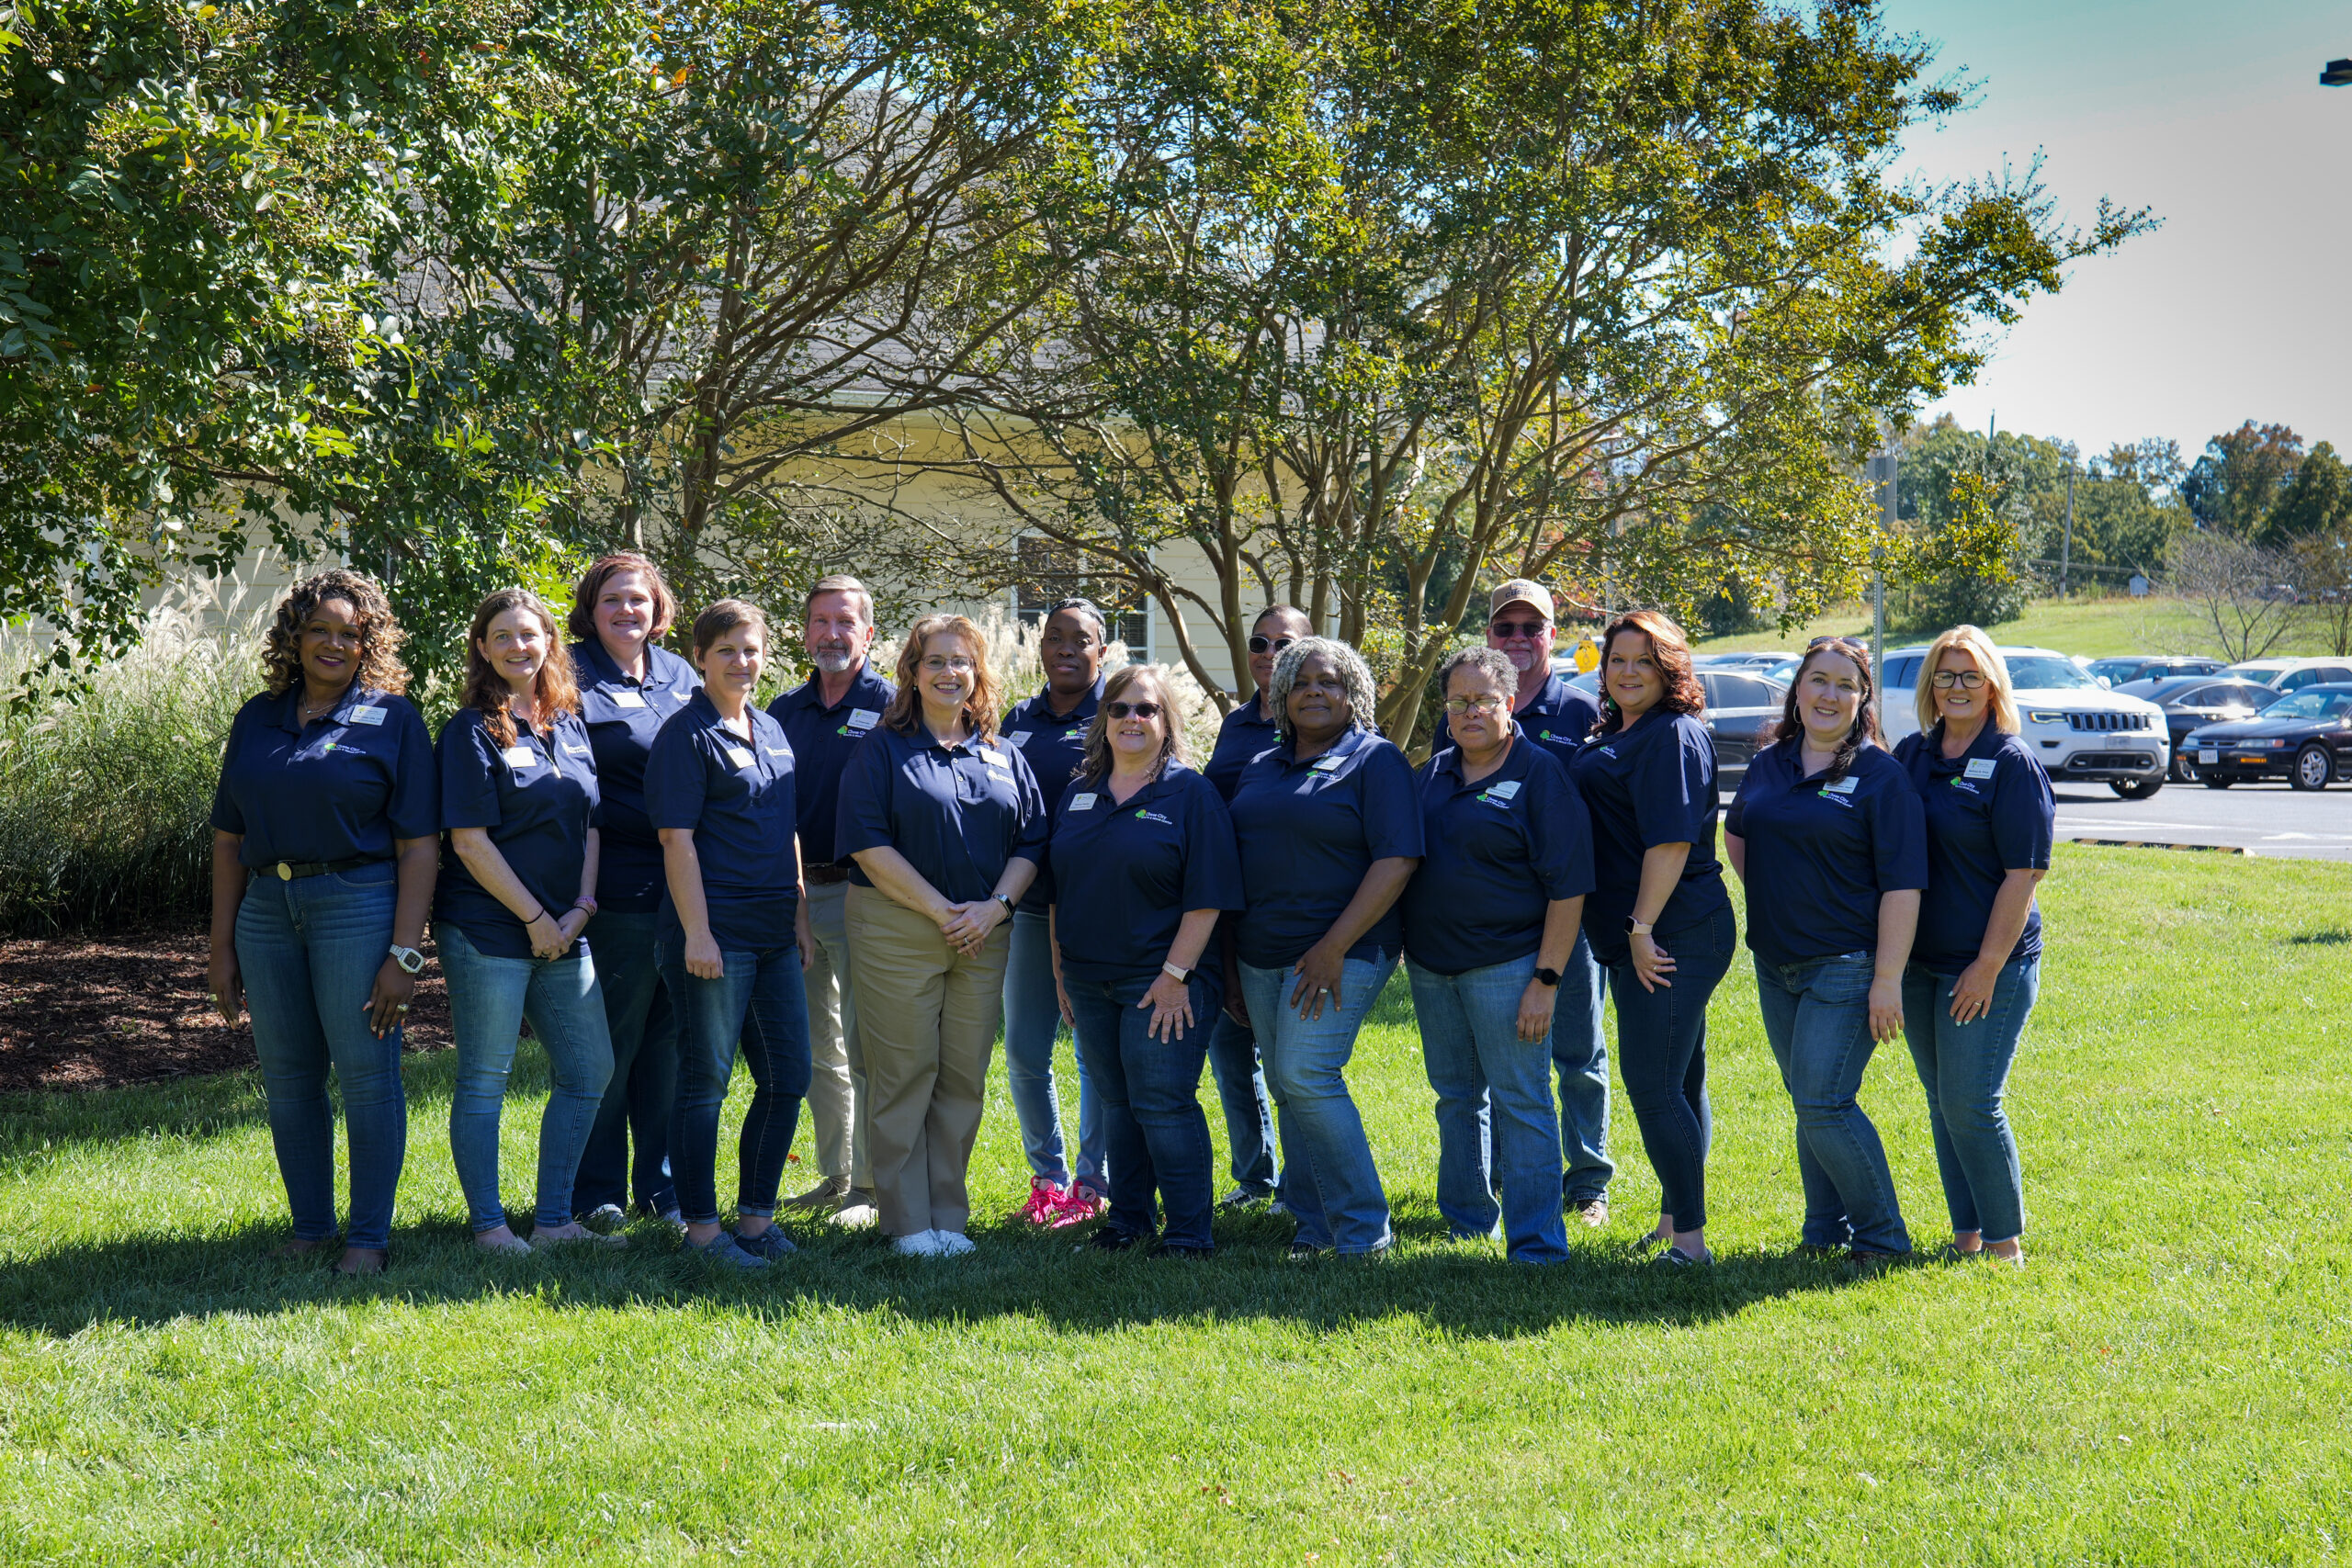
point(2313, 767)
point(2181, 770)
point(2136, 789)
point(2215, 781)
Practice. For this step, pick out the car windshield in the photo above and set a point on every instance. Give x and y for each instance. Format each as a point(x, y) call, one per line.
point(2311, 704)
point(2046, 672)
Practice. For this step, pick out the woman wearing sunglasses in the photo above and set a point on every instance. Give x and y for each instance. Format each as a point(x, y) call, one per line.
point(1247, 731)
point(1141, 866)
point(1827, 837)
point(1330, 831)
point(943, 826)
point(1491, 921)
point(1976, 965)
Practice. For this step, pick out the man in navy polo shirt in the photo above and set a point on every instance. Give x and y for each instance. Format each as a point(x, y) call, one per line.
point(824, 718)
point(1520, 617)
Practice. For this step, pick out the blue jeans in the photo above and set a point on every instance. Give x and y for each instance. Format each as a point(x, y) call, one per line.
point(757, 1003)
point(1152, 1108)
point(1248, 1109)
point(1033, 1021)
point(1817, 1020)
point(644, 1088)
point(1581, 1051)
point(1965, 1069)
point(489, 999)
point(1662, 1054)
point(1492, 1086)
point(1328, 1179)
point(308, 952)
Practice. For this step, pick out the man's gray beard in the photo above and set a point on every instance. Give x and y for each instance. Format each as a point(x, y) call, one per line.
point(1534, 662)
point(832, 662)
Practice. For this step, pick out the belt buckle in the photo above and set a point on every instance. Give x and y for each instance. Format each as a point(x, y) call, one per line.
point(284, 871)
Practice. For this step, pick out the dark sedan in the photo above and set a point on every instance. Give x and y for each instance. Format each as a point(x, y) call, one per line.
point(1743, 709)
point(2195, 702)
point(2307, 736)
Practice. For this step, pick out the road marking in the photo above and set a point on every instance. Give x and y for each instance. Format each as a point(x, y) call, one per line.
point(2152, 844)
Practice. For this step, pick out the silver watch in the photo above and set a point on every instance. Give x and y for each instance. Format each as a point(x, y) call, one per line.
point(408, 958)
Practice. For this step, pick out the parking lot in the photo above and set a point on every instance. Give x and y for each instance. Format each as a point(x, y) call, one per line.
point(2263, 819)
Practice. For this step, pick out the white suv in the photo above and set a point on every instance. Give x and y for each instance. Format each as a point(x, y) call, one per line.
point(2082, 731)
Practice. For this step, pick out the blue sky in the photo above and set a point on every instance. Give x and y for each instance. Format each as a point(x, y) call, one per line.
point(2212, 116)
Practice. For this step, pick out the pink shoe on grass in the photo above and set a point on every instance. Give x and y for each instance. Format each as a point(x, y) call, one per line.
point(1080, 1204)
point(1044, 1204)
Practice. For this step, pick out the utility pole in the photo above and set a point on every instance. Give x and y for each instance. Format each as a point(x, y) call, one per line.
point(2066, 544)
point(1882, 475)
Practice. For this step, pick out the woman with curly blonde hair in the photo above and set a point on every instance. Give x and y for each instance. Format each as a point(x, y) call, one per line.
point(324, 831)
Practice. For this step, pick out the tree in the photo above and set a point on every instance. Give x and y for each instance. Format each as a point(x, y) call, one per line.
point(2323, 564)
point(2317, 502)
point(2240, 596)
point(2126, 509)
point(2240, 478)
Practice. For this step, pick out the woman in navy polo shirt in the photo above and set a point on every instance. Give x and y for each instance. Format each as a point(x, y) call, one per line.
point(518, 798)
point(1976, 965)
point(1658, 918)
point(324, 829)
point(1050, 730)
point(1491, 919)
point(1329, 829)
point(1140, 867)
point(942, 820)
point(718, 790)
point(629, 684)
point(1233, 1050)
point(1828, 836)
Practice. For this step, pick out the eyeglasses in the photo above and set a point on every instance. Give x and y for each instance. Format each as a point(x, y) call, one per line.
point(933, 663)
point(1517, 628)
point(1270, 644)
point(1485, 702)
point(1966, 680)
point(1832, 642)
point(1132, 710)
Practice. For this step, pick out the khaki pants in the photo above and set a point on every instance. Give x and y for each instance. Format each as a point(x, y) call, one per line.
point(927, 1021)
point(837, 1081)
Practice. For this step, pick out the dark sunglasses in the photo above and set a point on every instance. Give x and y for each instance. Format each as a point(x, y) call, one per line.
point(1270, 644)
point(1516, 628)
point(1132, 710)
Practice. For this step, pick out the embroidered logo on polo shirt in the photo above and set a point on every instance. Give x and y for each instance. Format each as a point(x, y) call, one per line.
point(368, 715)
point(1980, 767)
point(1154, 817)
point(1609, 750)
point(1959, 783)
point(1081, 802)
point(627, 700)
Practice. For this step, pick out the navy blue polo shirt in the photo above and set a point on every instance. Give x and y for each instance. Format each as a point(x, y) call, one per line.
point(1246, 730)
point(1652, 783)
point(1989, 812)
point(822, 738)
point(1499, 852)
point(737, 796)
point(1122, 876)
point(345, 787)
point(537, 798)
point(1819, 854)
point(1308, 832)
point(623, 716)
point(1560, 719)
point(959, 814)
point(1056, 749)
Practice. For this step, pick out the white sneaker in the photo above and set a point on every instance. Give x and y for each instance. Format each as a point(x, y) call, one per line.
point(923, 1243)
point(952, 1244)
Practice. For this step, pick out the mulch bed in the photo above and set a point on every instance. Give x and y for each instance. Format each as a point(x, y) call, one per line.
point(100, 1011)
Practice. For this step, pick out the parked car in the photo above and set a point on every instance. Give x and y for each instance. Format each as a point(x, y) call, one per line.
point(1738, 660)
point(2083, 732)
point(2294, 674)
point(1742, 709)
point(2307, 735)
point(2131, 668)
point(2194, 701)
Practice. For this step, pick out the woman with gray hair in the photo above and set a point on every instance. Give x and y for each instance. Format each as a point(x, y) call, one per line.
point(1330, 831)
point(1490, 921)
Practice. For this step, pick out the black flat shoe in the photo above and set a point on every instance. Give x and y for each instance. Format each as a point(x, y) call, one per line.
point(1108, 1239)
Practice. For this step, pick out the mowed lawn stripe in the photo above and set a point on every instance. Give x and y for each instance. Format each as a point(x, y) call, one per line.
point(2168, 1382)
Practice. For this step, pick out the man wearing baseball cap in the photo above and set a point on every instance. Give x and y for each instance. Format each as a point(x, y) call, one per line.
point(1558, 717)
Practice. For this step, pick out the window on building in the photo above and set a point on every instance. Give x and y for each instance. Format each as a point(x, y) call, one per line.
point(1050, 571)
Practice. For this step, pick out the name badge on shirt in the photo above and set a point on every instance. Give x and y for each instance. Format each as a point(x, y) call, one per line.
point(575, 750)
point(365, 716)
point(518, 756)
point(741, 757)
point(1980, 768)
point(1082, 803)
point(1022, 739)
point(863, 718)
point(1506, 790)
point(998, 759)
point(1843, 786)
point(627, 700)
point(1328, 763)
point(777, 751)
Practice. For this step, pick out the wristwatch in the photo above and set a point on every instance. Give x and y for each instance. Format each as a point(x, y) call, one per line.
point(1009, 910)
point(1548, 976)
point(1179, 975)
point(408, 958)
point(1635, 927)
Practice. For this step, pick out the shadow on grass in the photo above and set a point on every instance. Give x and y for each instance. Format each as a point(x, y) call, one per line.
point(2320, 939)
point(1464, 1289)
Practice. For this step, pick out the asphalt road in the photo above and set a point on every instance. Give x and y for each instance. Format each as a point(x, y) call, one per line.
point(2262, 819)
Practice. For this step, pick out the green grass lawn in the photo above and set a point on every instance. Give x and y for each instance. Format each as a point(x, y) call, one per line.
point(2169, 1382)
point(2090, 628)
